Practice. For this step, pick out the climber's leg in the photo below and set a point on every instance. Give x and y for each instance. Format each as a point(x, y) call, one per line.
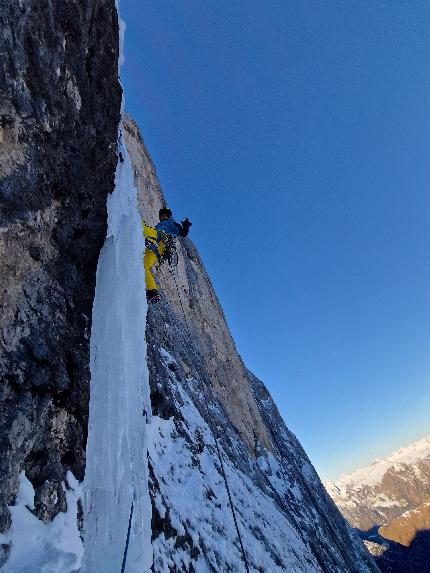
point(149, 232)
point(149, 260)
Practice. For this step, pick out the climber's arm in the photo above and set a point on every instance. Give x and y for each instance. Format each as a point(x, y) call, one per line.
point(184, 227)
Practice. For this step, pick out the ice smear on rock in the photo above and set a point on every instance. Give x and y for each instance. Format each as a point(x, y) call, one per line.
point(116, 473)
point(38, 547)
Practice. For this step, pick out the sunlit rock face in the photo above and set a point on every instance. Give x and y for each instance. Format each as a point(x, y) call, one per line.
point(404, 529)
point(408, 542)
point(206, 406)
point(59, 114)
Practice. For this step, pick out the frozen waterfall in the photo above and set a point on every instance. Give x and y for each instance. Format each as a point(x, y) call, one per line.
point(117, 507)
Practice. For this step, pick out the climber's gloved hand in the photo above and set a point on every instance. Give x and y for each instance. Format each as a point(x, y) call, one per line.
point(185, 227)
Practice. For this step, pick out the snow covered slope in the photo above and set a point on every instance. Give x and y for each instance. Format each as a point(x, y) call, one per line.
point(32, 546)
point(231, 488)
point(386, 488)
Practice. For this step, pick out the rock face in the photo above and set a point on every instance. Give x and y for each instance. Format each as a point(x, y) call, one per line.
point(386, 489)
point(403, 529)
point(59, 115)
point(393, 557)
point(231, 487)
point(407, 542)
point(198, 308)
point(214, 427)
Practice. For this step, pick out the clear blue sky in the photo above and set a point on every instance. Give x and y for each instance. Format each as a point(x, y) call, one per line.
point(296, 137)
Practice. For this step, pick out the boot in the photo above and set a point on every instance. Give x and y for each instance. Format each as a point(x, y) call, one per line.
point(152, 295)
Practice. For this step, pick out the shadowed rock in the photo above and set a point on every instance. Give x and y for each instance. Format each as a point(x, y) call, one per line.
point(59, 115)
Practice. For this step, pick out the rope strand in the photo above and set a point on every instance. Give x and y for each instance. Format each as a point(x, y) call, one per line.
point(124, 559)
point(215, 434)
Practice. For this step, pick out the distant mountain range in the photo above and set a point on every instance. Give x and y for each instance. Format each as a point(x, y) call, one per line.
point(389, 503)
point(386, 488)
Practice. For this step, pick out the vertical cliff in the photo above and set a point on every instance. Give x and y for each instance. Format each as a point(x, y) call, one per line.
point(59, 114)
point(230, 486)
point(232, 490)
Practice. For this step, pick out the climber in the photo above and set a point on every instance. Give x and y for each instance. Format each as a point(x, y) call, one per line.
point(155, 246)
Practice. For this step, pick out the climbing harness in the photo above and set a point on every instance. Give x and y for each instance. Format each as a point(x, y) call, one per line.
point(213, 428)
point(170, 254)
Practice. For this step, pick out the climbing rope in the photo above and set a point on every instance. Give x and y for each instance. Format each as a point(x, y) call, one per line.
point(213, 428)
point(127, 541)
point(124, 558)
point(309, 491)
point(215, 434)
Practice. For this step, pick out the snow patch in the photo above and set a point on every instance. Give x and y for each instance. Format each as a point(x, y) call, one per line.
point(376, 549)
point(191, 497)
point(73, 91)
point(53, 547)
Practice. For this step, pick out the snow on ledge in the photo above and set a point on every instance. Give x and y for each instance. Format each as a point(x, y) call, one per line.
point(54, 547)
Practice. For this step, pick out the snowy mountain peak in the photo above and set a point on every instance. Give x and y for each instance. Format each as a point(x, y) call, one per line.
point(386, 488)
point(375, 471)
point(412, 453)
